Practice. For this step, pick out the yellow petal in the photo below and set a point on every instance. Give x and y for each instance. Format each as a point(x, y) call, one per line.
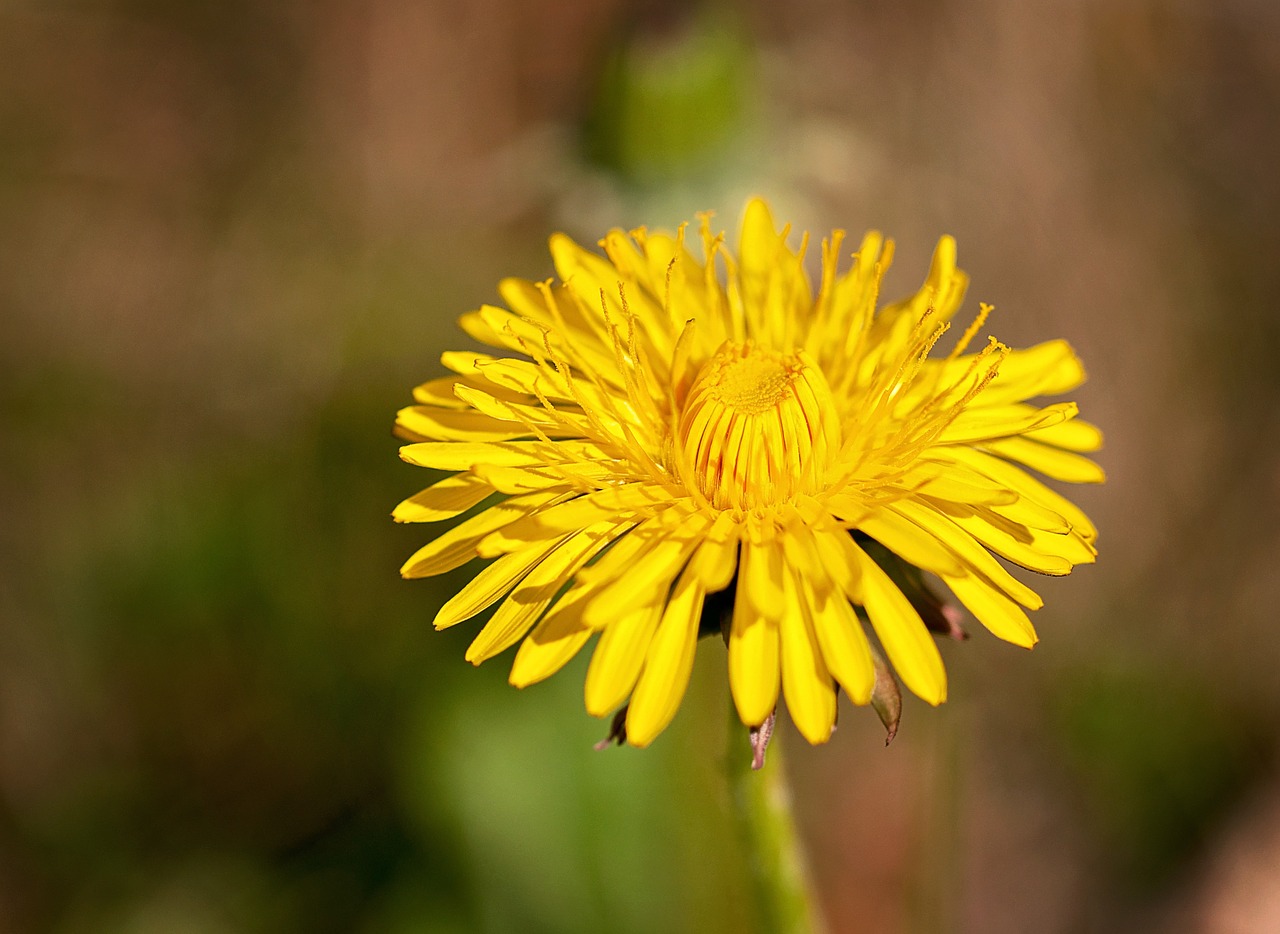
point(494, 580)
point(497, 327)
point(850, 509)
point(1043, 370)
point(433, 423)
point(535, 592)
point(457, 546)
point(941, 294)
point(443, 392)
point(842, 562)
point(550, 305)
point(605, 301)
point(1002, 617)
point(852, 305)
point(806, 681)
point(1052, 462)
point(619, 654)
point(463, 455)
point(463, 362)
point(843, 642)
point(1063, 544)
point(534, 380)
point(1028, 513)
point(908, 644)
point(1075, 435)
point(909, 542)
point(646, 581)
point(616, 503)
point(668, 665)
point(967, 548)
point(586, 274)
point(1001, 471)
point(1002, 537)
point(514, 480)
point(715, 563)
point(771, 286)
point(443, 500)
point(754, 676)
point(521, 418)
point(760, 571)
point(798, 549)
point(554, 641)
point(984, 422)
point(953, 481)
point(523, 377)
point(624, 554)
point(758, 249)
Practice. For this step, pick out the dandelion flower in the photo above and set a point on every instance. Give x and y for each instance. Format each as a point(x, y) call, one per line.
point(656, 428)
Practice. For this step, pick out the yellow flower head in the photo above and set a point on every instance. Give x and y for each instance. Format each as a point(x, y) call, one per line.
point(656, 428)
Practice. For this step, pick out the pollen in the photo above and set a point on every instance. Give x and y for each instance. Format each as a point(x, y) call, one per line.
point(758, 427)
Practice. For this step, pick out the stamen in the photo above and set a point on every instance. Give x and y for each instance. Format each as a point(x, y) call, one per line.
point(972, 330)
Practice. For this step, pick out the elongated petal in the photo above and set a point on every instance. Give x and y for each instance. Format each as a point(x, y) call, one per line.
point(1002, 617)
point(645, 581)
point(443, 500)
point(982, 423)
point(463, 455)
point(1075, 435)
point(668, 664)
point(615, 664)
point(716, 563)
point(457, 546)
point(1027, 486)
point(956, 483)
point(487, 587)
point(1034, 549)
point(1027, 512)
point(1043, 370)
point(842, 561)
point(554, 641)
point(903, 634)
point(758, 249)
point(754, 676)
point(433, 423)
point(909, 542)
point(1050, 461)
point(967, 548)
point(535, 592)
point(581, 477)
point(844, 644)
point(806, 681)
point(624, 554)
point(761, 574)
point(614, 503)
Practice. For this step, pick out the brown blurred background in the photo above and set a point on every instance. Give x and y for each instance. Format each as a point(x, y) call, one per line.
point(233, 235)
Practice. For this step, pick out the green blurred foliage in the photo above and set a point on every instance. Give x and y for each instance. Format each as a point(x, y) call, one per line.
point(1159, 758)
point(674, 97)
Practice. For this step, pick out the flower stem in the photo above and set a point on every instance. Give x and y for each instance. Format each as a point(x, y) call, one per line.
point(779, 870)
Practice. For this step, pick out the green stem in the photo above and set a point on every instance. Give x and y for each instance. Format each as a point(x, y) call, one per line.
point(762, 806)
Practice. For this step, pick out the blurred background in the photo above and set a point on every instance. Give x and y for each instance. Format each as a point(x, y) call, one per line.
point(234, 235)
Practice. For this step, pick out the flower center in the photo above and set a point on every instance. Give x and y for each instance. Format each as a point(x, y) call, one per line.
point(758, 427)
